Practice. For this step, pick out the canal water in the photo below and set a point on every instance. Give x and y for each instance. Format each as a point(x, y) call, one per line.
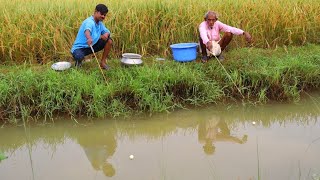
point(274, 141)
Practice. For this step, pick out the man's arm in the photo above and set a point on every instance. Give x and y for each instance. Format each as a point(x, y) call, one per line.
point(234, 30)
point(88, 36)
point(226, 28)
point(203, 35)
point(105, 33)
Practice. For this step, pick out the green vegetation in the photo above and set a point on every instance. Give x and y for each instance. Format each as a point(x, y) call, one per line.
point(2, 156)
point(42, 31)
point(261, 75)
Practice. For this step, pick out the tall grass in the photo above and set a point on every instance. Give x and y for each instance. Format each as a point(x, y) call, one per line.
point(153, 89)
point(42, 31)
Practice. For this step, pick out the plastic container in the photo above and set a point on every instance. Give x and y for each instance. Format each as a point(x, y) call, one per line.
point(184, 52)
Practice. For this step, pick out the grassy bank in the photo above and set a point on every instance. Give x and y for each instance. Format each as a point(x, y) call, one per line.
point(260, 75)
point(42, 31)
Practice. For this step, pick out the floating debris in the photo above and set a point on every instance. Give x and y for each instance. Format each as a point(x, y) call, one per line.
point(131, 156)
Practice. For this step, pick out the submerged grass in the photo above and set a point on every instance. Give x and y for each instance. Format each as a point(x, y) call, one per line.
point(260, 75)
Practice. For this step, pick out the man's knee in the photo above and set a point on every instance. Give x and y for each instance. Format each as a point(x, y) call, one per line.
point(109, 42)
point(228, 35)
point(78, 54)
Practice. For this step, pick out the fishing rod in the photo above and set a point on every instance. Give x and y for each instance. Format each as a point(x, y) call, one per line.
point(104, 77)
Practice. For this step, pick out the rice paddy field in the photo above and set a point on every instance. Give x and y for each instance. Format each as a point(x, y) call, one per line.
point(35, 31)
point(281, 63)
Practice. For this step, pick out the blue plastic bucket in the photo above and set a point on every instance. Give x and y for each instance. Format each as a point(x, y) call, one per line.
point(184, 52)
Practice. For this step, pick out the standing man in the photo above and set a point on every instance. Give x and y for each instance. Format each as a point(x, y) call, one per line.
point(93, 32)
point(210, 35)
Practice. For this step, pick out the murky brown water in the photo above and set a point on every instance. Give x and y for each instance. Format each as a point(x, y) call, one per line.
point(204, 143)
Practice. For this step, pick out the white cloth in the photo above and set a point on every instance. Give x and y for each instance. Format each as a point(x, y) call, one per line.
point(215, 50)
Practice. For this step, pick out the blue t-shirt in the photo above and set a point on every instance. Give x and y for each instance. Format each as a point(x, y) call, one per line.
point(96, 30)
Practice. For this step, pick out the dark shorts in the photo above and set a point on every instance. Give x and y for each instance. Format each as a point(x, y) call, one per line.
point(79, 54)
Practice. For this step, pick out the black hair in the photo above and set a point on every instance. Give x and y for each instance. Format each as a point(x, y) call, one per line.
point(103, 9)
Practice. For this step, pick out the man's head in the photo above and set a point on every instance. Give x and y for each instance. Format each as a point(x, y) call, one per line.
point(211, 17)
point(209, 148)
point(108, 169)
point(100, 12)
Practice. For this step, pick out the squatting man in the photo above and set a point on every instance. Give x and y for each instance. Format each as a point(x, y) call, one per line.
point(210, 41)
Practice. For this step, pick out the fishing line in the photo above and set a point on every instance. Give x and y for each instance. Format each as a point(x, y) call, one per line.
point(229, 76)
point(27, 136)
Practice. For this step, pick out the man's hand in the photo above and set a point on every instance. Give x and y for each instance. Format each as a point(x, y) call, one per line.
point(105, 36)
point(209, 45)
point(89, 41)
point(247, 36)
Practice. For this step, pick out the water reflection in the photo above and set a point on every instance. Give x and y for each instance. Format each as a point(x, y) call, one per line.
point(212, 139)
point(98, 147)
point(213, 130)
point(99, 144)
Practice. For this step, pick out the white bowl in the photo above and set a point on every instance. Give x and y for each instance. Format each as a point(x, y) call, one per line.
point(131, 59)
point(131, 56)
point(61, 66)
point(128, 61)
